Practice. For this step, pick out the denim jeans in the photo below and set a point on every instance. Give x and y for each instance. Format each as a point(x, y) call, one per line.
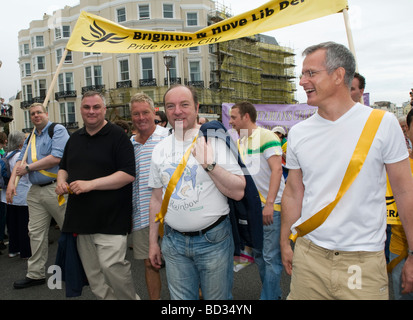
point(269, 261)
point(205, 261)
point(396, 275)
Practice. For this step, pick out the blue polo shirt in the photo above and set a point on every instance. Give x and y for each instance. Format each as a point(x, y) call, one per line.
point(44, 147)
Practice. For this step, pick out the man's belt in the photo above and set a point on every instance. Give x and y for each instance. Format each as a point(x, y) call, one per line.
point(203, 231)
point(47, 183)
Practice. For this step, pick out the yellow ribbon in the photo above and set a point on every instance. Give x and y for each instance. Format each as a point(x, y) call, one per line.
point(160, 216)
point(61, 198)
point(354, 167)
point(34, 159)
point(277, 207)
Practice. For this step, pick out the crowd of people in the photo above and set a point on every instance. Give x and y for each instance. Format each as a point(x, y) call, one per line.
point(322, 193)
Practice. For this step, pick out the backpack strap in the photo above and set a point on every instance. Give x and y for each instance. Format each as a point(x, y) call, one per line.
point(356, 163)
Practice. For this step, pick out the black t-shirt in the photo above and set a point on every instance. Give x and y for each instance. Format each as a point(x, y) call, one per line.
point(89, 157)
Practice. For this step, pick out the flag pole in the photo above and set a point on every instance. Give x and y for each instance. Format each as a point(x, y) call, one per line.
point(49, 92)
point(350, 41)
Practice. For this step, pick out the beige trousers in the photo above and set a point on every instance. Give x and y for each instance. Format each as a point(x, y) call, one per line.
point(107, 270)
point(43, 205)
point(322, 274)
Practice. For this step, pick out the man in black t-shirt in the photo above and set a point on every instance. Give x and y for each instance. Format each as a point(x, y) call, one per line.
point(97, 170)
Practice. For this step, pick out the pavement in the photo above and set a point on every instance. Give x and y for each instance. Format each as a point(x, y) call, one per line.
point(247, 285)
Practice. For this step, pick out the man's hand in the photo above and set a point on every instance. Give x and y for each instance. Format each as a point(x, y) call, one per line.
point(407, 275)
point(268, 214)
point(203, 152)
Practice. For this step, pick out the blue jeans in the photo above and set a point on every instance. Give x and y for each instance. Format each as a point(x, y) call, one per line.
point(204, 261)
point(396, 276)
point(269, 261)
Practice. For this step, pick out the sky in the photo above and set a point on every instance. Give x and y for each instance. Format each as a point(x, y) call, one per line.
point(382, 33)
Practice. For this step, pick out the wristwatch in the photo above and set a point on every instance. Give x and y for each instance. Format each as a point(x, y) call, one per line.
point(210, 167)
point(27, 169)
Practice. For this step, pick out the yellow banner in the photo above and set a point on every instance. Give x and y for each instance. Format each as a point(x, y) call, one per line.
point(96, 34)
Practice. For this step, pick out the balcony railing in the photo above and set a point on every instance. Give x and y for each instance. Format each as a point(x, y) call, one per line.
point(39, 99)
point(70, 125)
point(124, 84)
point(197, 84)
point(173, 81)
point(27, 103)
point(98, 88)
point(151, 82)
point(65, 94)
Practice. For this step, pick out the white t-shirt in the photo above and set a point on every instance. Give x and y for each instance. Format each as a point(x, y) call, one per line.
point(196, 202)
point(322, 149)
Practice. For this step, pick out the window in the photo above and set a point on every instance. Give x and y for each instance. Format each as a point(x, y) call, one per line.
point(59, 55)
point(57, 33)
point(67, 112)
point(121, 14)
point(193, 49)
point(194, 71)
point(172, 69)
point(168, 11)
point(124, 69)
point(65, 82)
point(147, 69)
point(28, 93)
point(37, 42)
point(191, 18)
point(40, 88)
point(143, 13)
point(39, 63)
point(62, 32)
point(24, 49)
point(66, 31)
point(26, 70)
point(93, 75)
point(27, 120)
point(88, 54)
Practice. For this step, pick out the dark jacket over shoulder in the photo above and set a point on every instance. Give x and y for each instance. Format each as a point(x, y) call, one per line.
point(246, 214)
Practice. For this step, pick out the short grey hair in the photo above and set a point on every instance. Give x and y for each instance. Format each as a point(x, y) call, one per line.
point(142, 97)
point(337, 55)
point(92, 93)
point(15, 140)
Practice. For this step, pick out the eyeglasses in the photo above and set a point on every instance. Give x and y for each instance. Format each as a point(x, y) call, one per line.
point(157, 121)
point(32, 114)
point(310, 73)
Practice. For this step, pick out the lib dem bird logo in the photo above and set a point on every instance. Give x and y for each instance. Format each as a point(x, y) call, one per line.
point(101, 36)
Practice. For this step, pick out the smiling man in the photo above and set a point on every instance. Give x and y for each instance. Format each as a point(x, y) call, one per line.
point(197, 245)
point(148, 134)
point(352, 237)
point(98, 168)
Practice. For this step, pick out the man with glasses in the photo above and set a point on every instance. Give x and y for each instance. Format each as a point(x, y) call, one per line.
point(341, 257)
point(42, 163)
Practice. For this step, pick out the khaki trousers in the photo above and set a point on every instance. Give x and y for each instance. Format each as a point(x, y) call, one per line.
point(43, 205)
point(108, 273)
point(321, 274)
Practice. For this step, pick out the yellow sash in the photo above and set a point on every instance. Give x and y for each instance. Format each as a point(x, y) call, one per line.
point(160, 216)
point(354, 167)
point(34, 159)
point(277, 207)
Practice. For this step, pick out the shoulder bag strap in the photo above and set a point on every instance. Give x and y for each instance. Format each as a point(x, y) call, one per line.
point(160, 216)
point(354, 167)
